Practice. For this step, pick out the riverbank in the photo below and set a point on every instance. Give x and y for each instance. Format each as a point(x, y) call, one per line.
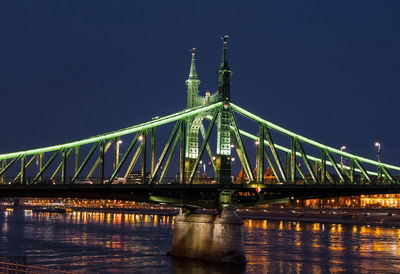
point(371, 217)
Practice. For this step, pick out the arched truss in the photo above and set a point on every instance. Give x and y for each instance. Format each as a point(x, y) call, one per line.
point(313, 170)
point(195, 124)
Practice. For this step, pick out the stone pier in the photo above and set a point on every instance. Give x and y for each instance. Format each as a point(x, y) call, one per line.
point(214, 238)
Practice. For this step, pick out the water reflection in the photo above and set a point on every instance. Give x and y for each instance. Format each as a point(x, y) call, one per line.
point(115, 242)
point(292, 247)
point(188, 266)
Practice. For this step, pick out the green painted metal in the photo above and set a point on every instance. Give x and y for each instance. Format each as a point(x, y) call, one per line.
point(305, 160)
point(210, 127)
point(287, 165)
point(323, 166)
point(223, 161)
point(143, 156)
point(134, 160)
point(153, 149)
point(351, 171)
point(168, 161)
point(77, 152)
point(124, 157)
point(4, 169)
point(388, 175)
point(301, 173)
point(335, 166)
point(85, 161)
point(275, 154)
point(197, 108)
point(315, 169)
point(64, 166)
point(307, 140)
point(327, 175)
point(293, 160)
point(41, 163)
point(363, 171)
point(208, 147)
point(154, 123)
point(26, 166)
point(23, 160)
point(242, 159)
point(224, 74)
point(284, 149)
point(116, 153)
point(48, 163)
point(260, 155)
point(60, 165)
point(240, 149)
point(192, 83)
point(101, 165)
point(182, 152)
point(271, 165)
point(3, 166)
point(96, 164)
point(164, 152)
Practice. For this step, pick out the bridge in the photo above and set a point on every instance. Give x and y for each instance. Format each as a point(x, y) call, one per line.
point(285, 165)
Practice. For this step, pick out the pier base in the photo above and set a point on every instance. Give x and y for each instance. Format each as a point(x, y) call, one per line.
point(214, 238)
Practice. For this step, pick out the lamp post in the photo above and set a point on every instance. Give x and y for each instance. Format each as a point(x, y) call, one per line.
point(342, 148)
point(378, 145)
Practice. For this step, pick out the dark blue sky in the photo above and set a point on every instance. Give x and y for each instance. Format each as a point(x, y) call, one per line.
point(328, 70)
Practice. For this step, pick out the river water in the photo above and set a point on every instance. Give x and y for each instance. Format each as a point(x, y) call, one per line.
point(133, 243)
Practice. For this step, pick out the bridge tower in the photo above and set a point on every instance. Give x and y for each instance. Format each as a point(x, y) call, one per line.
point(191, 151)
point(222, 161)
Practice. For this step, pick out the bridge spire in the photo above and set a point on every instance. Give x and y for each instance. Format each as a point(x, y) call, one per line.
point(193, 74)
point(192, 82)
point(224, 73)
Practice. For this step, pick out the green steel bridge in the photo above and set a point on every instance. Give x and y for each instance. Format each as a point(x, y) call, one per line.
point(299, 167)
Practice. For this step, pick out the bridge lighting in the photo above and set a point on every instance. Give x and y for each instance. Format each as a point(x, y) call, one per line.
point(214, 158)
point(140, 138)
point(257, 142)
point(120, 142)
point(378, 145)
point(233, 159)
point(232, 146)
point(343, 147)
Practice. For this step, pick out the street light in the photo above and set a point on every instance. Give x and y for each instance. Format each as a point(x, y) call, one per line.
point(343, 147)
point(378, 145)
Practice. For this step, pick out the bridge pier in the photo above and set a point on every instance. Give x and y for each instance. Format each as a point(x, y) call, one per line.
point(214, 238)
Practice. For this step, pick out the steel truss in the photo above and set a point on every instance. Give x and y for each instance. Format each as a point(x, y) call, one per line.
point(289, 164)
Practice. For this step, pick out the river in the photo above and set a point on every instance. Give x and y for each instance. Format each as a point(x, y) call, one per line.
point(89, 242)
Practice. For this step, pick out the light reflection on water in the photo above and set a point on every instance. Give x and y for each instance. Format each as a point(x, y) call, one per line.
point(115, 242)
point(289, 247)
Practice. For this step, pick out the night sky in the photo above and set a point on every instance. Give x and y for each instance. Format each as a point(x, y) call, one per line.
point(328, 70)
